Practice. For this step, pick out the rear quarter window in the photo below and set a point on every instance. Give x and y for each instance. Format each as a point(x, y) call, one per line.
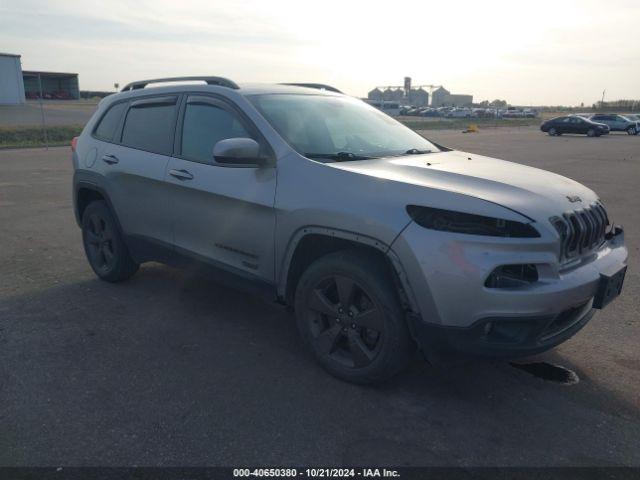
point(109, 122)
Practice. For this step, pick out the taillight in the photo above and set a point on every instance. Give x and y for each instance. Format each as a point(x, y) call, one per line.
point(74, 142)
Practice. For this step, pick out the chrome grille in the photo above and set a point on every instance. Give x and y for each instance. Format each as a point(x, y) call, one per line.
point(581, 230)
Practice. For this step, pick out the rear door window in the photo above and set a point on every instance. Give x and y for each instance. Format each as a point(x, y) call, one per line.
point(149, 125)
point(108, 125)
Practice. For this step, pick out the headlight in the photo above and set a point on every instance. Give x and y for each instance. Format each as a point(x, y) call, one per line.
point(459, 222)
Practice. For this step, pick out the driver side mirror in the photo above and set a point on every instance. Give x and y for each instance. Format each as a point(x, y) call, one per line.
point(238, 151)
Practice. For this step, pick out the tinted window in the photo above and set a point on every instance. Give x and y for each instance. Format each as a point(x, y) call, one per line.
point(204, 125)
point(110, 121)
point(149, 126)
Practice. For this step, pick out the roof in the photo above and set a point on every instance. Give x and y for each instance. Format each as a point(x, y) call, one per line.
point(47, 74)
point(9, 55)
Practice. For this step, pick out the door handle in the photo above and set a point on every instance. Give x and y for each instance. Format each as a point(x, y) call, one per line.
point(110, 159)
point(180, 174)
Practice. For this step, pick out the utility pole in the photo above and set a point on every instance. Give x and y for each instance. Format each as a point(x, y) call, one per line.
point(602, 101)
point(44, 125)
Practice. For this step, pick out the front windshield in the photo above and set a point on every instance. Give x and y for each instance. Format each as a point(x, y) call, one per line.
point(338, 128)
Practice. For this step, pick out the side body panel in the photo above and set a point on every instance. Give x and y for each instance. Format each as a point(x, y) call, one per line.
point(225, 214)
point(138, 191)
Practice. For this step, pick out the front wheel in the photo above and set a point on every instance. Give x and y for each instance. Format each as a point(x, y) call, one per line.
point(552, 132)
point(632, 130)
point(591, 133)
point(348, 313)
point(103, 244)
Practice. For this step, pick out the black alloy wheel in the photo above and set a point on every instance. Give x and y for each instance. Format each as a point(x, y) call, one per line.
point(99, 241)
point(348, 312)
point(103, 244)
point(346, 324)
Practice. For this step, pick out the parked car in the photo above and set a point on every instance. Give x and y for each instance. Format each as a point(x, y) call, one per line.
point(430, 112)
point(574, 124)
point(459, 113)
point(379, 239)
point(617, 123)
point(512, 113)
point(404, 109)
point(633, 117)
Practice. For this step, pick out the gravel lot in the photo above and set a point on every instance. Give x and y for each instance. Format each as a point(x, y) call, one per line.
point(171, 368)
point(60, 112)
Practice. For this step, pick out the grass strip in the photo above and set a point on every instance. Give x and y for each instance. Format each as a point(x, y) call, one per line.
point(33, 136)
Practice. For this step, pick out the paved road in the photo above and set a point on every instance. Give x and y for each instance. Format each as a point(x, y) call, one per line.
point(173, 369)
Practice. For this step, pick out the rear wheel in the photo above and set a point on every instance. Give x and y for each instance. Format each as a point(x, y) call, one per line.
point(348, 313)
point(103, 244)
point(632, 130)
point(552, 132)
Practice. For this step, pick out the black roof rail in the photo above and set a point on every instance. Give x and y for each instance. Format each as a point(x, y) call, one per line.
point(220, 81)
point(318, 86)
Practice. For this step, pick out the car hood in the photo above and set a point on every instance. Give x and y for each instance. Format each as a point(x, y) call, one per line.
point(527, 190)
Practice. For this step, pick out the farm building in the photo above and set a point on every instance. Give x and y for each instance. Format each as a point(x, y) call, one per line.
point(17, 84)
point(416, 97)
point(54, 85)
point(443, 98)
point(11, 84)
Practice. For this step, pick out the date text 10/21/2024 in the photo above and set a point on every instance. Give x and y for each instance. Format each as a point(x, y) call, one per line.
point(317, 472)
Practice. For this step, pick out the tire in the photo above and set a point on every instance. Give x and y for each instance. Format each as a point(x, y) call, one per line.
point(632, 130)
point(552, 132)
point(349, 315)
point(103, 244)
point(591, 132)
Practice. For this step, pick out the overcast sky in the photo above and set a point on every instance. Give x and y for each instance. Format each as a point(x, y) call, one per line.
point(537, 52)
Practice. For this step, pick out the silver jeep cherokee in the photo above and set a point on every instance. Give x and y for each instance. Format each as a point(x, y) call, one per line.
point(378, 238)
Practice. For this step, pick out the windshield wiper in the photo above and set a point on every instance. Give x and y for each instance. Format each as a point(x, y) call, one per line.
point(416, 151)
point(339, 157)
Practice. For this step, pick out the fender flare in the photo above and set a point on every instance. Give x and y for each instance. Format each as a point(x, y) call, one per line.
point(89, 181)
point(402, 281)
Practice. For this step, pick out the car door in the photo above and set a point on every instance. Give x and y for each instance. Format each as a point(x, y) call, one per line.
point(572, 125)
point(221, 213)
point(134, 167)
point(578, 125)
point(563, 125)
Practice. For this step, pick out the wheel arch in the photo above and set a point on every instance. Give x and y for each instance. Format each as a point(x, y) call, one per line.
point(312, 242)
point(87, 191)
